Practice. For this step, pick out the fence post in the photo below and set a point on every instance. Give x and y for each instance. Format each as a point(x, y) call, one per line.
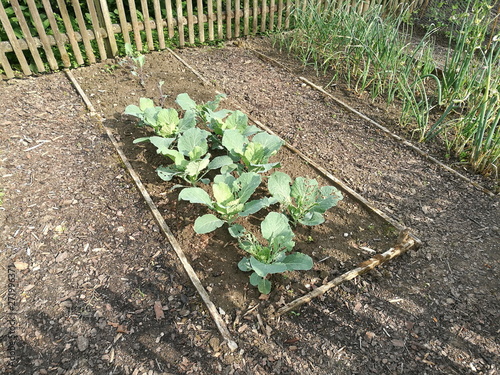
point(102, 24)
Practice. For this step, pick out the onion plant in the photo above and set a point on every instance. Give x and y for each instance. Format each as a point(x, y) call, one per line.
point(371, 49)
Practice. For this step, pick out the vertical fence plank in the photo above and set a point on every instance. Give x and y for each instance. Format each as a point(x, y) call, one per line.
point(190, 21)
point(210, 16)
point(57, 34)
point(280, 14)
point(44, 39)
point(5, 65)
point(97, 30)
point(83, 31)
point(147, 25)
point(255, 14)
point(263, 16)
point(271, 15)
point(135, 25)
point(159, 24)
point(13, 40)
point(32, 45)
point(201, 21)
point(237, 18)
point(228, 19)
point(180, 23)
point(219, 19)
point(123, 21)
point(287, 14)
point(246, 17)
point(109, 27)
point(100, 25)
point(170, 18)
point(70, 32)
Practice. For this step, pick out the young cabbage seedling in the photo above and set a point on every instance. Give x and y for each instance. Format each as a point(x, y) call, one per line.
point(254, 155)
point(163, 96)
point(164, 121)
point(231, 200)
point(134, 61)
point(271, 257)
point(190, 160)
point(303, 201)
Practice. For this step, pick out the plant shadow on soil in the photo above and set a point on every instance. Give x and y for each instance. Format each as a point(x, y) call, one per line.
point(108, 337)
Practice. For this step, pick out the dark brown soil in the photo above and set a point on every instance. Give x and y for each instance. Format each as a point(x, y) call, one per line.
point(86, 262)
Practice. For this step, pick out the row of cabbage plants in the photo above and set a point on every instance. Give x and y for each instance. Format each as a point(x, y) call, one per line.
point(190, 137)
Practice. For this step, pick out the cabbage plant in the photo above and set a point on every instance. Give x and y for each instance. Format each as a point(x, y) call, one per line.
point(252, 155)
point(271, 256)
point(165, 122)
point(191, 160)
point(231, 200)
point(304, 201)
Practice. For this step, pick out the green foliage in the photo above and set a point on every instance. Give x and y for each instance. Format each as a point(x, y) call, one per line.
point(191, 160)
point(304, 201)
point(164, 122)
point(373, 52)
point(271, 257)
point(231, 200)
point(254, 154)
point(470, 85)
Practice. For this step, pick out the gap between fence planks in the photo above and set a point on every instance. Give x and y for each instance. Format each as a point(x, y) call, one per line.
point(13, 40)
point(219, 322)
point(32, 45)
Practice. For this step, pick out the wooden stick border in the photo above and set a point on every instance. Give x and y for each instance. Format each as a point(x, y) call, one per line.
point(219, 322)
point(406, 240)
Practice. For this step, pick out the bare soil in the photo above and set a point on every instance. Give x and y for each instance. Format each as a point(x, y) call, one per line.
point(83, 262)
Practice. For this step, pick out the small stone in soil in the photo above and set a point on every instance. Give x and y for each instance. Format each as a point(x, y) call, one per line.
point(82, 342)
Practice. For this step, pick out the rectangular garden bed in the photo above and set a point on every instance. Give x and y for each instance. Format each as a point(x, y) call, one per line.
point(351, 234)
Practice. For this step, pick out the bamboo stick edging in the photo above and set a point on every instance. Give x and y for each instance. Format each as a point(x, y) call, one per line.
point(405, 242)
point(379, 126)
point(219, 322)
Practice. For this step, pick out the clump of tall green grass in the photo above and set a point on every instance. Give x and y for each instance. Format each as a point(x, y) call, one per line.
point(367, 49)
point(370, 48)
point(470, 87)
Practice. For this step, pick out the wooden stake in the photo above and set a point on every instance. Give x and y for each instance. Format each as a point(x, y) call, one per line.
point(404, 243)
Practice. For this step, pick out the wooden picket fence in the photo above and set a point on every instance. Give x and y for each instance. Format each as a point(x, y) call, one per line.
point(86, 31)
